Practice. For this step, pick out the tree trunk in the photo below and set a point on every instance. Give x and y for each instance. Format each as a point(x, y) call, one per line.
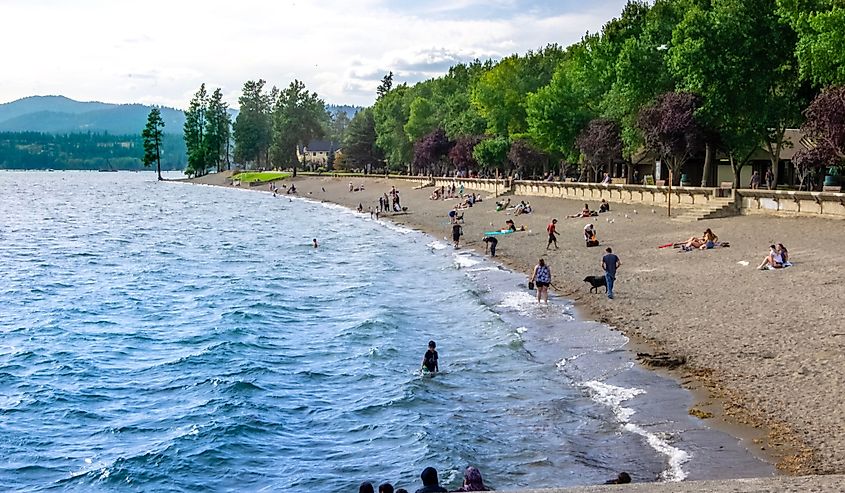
point(736, 169)
point(708, 164)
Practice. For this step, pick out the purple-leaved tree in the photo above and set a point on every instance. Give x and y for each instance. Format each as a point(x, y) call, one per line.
point(527, 158)
point(825, 127)
point(601, 145)
point(461, 153)
point(670, 129)
point(429, 151)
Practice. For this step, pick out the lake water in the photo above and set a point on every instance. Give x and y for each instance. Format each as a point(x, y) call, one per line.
point(172, 337)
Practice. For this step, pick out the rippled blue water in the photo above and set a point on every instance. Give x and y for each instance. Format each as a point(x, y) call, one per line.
point(169, 337)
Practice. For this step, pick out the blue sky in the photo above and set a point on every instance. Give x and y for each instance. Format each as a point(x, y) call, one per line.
point(159, 52)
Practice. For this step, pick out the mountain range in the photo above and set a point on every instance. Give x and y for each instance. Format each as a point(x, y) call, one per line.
point(58, 114)
point(62, 115)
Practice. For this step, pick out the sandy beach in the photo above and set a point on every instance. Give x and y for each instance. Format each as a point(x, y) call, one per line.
point(763, 350)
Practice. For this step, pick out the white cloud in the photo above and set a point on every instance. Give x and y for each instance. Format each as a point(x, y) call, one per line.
point(160, 52)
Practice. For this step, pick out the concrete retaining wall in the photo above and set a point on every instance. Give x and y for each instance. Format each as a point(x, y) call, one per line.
point(768, 202)
point(790, 203)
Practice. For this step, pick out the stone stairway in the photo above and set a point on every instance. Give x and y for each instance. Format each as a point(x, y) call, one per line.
point(717, 207)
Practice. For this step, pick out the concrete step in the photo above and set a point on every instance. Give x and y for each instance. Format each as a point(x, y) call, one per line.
point(713, 209)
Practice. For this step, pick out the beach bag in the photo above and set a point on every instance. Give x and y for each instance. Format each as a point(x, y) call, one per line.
point(531, 285)
point(592, 243)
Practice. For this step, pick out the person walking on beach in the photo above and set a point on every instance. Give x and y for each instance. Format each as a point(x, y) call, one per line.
point(610, 262)
point(552, 229)
point(429, 362)
point(457, 232)
point(542, 278)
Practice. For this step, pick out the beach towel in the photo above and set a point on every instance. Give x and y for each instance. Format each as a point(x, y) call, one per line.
point(501, 232)
point(784, 266)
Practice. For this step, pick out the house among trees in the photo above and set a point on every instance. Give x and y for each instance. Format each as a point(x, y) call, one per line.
point(318, 152)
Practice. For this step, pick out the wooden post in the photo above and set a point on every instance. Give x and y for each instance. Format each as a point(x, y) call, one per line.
point(669, 209)
point(496, 184)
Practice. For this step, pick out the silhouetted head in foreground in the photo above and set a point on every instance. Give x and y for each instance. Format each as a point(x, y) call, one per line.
point(623, 478)
point(366, 487)
point(429, 477)
point(385, 488)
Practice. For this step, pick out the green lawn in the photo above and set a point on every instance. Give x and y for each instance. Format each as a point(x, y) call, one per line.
point(260, 176)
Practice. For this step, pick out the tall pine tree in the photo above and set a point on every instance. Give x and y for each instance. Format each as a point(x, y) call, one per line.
point(152, 136)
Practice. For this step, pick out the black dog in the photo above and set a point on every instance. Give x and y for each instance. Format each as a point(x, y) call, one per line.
point(596, 282)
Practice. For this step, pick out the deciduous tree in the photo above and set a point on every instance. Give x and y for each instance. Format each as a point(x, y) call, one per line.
point(671, 130)
point(601, 144)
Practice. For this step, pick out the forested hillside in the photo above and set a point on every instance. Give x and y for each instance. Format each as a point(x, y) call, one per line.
point(35, 150)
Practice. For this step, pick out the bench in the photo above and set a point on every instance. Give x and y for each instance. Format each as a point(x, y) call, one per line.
point(725, 189)
point(830, 188)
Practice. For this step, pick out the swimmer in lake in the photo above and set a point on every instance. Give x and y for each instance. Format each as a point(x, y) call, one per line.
point(429, 362)
point(315, 242)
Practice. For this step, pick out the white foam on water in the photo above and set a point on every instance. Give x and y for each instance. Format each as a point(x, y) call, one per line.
point(437, 245)
point(463, 260)
point(521, 330)
point(518, 300)
point(613, 397)
point(560, 364)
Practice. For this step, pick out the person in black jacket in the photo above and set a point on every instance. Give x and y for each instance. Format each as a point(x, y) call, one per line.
point(430, 482)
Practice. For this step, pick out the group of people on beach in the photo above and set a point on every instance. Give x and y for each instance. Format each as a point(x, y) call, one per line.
point(472, 482)
point(431, 483)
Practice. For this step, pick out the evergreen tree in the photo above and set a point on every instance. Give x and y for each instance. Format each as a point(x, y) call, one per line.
point(299, 116)
point(253, 127)
point(196, 121)
point(153, 136)
point(217, 132)
point(385, 86)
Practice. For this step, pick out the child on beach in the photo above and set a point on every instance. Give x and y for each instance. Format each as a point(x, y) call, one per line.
point(429, 362)
point(552, 230)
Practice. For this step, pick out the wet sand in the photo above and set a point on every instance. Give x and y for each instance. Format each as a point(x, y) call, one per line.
point(763, 350)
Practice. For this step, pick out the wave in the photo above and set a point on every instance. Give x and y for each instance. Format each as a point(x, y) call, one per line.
point(613, 397)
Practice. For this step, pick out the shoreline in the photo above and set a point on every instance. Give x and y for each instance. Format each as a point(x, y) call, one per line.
point(771, 439)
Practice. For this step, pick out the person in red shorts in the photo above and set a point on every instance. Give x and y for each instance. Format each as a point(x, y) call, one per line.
point(552, 229)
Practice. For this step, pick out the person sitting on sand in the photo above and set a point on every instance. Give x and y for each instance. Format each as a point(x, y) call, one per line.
point(590, 235)
point(784, 253)
point(473, 480)
point(500, 206)
point(778, 258)
point(708, 240)
point(292, 189)
point(604, 206)
point(435, 195)
point(585, 212)
point(510, 225)
point(520, 208)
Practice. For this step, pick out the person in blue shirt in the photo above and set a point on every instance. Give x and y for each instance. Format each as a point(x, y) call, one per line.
point(610, 262)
